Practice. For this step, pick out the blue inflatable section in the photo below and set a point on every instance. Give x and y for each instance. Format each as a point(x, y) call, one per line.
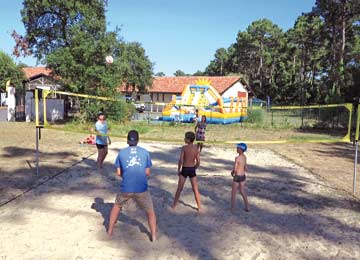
point(198, 88)
point(189, 118)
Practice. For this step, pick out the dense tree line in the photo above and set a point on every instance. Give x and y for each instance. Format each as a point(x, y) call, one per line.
point(316, 61)
point(70, 37)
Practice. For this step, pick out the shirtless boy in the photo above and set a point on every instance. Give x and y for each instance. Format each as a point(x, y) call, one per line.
point(239, 178)
point(189, 161)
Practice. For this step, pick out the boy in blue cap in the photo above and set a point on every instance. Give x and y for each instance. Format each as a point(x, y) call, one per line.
point(239, 178)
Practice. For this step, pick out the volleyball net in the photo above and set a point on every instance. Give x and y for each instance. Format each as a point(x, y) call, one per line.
point(321, 123)
point(262, 125)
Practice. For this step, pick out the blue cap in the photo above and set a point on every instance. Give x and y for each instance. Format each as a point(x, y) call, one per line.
point(242, 146)
point(133, 137)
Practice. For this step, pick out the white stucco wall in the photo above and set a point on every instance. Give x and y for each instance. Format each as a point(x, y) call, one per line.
point(2, 99)
point(54, 108)
point(11, 103)
point(233, 91)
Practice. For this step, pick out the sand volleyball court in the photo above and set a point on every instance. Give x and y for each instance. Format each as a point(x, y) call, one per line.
point(294, 215)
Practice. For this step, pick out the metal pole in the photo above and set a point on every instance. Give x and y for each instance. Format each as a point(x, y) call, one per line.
point(36, 107)
point(37, 151)
point(355, 164)
point(45, 93)
point(37, 130)
point(356, 148)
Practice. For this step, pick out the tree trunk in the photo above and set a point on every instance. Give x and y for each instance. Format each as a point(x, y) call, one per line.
point(343, 44)
point(294, 70)
point(334, 74)
point(261, 68)
point(272, 72)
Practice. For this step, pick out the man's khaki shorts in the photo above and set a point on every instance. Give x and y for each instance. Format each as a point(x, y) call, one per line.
point(143, 199)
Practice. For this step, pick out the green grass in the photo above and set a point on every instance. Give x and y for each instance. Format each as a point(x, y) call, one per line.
point(296, 118)
point(214, 133)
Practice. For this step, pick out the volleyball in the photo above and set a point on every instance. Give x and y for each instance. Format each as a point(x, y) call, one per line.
point(109, 59)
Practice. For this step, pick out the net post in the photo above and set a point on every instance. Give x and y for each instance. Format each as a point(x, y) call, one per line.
point(45, 93)
point(37, 150)
point(349, 107)
point(357, 123)
point(355, 169)
point(37, 130)
point(36, 107)
point(356, 147)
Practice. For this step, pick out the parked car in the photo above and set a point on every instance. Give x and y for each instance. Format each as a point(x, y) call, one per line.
point(139, 106)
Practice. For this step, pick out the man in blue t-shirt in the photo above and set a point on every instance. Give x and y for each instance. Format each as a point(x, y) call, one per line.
point(133, 166)
point(101, 128)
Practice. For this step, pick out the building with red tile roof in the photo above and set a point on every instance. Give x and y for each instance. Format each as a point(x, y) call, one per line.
point(34, 72)
point(163, 88)
point(39, 76)
point(177, 84)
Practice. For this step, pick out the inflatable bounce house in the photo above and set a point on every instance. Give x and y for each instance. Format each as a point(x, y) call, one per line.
point(204, 99)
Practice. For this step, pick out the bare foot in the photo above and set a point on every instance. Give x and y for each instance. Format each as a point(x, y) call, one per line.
point(153, 238)
point(105, 237)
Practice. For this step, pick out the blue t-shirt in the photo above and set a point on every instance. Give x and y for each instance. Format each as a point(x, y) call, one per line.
point(103, 129)
point(133, 161)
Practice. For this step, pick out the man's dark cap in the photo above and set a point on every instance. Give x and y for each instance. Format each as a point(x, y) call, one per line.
point(133, 137)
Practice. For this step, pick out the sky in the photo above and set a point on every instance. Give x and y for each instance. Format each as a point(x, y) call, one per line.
point(176, 34)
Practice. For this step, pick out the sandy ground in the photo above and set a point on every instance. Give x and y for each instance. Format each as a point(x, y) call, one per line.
point(294, 214)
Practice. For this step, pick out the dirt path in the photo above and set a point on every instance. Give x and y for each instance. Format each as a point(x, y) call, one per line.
point(294, 214)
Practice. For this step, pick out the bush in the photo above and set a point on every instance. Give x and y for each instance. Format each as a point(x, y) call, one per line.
point(118, 111)
point(255, 116)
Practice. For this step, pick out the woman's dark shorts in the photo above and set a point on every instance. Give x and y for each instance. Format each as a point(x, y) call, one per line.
point(100, 146)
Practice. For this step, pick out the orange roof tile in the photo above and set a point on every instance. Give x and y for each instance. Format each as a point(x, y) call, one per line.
point(163, 84)
point(32, 72)
point(177, 84)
